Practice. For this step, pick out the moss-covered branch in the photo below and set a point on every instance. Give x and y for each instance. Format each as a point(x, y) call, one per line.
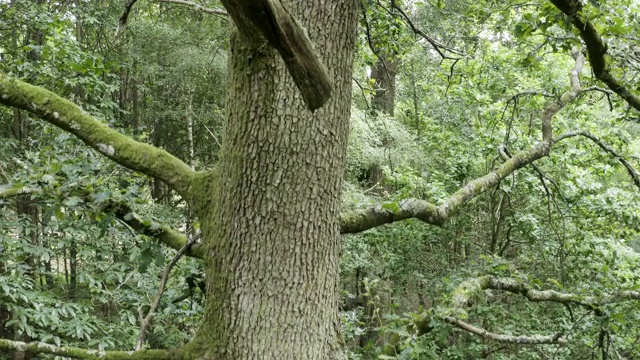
point(121, 210)
point(596, 48)
point(421, 325)
point(506, 338)
point(361, 220)
point(9, 191)
point(162, 233)
point(77, 353)
point(364, 219)
point(478, 186)
point(66, 115)
point(470, 288)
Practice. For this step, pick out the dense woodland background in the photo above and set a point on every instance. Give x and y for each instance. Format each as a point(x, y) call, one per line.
point(438, 86)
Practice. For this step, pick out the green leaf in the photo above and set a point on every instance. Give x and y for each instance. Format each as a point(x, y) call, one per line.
point(72, 201)
point(132, 319)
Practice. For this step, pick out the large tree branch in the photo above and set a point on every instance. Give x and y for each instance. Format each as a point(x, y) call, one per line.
point(513, 339)
point(462, 296)
point(66, 115)
point(152, 229)
point(9, 191)
point(360, 220)
point(597, 49)
point(364, 219)
point(271, 19)
point(421, 325)
point(121, 210)
point(78, 353)
point(469, 288)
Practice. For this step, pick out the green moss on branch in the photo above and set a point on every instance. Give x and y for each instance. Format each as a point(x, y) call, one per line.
point(78, 353)
point(162, 233)
point(66, 115)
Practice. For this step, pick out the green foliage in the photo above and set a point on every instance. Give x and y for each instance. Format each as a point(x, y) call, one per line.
point(71, 273)
point(577, 233)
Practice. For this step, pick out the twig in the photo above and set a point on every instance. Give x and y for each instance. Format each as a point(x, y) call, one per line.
point(573, 327)
point(436, 45)
point(608, 94)
point(364, 94)
point(146, 321)
point(207, 128)
point(568, 96)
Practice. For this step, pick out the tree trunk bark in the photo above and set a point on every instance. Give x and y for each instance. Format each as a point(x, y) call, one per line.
point(135, 99)
point(271, 227)
point(73, 270)
point(188, 116)
point(414, 95)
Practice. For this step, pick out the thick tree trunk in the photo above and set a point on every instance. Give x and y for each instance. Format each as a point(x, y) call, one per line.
point(272, 225)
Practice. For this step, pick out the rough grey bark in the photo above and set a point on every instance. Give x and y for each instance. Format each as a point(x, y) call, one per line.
point(272, 226)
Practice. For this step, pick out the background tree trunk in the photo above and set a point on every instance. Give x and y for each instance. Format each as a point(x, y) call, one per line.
point(272, 230)
point(384, 76)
